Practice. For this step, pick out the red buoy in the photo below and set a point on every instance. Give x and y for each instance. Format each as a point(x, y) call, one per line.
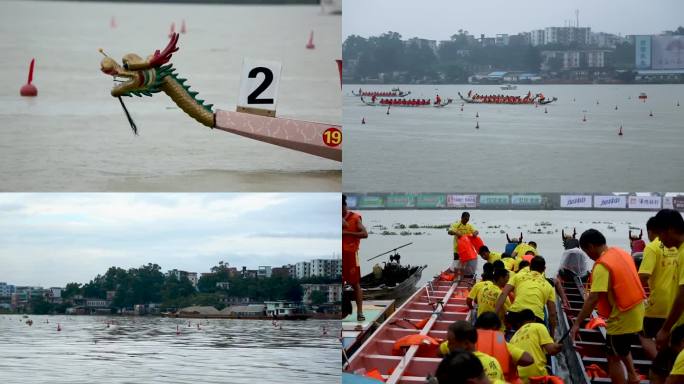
point(310, 44)
point(29, 89)
point(172, 31)
point(183, 29)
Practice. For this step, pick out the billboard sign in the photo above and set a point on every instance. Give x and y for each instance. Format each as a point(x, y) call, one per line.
point(575, 201)
point(667, 52)
point(609, 201)
point(644, 202)
point(462, 201)
point(678, 203)
point(642, 45)
point(400, 200)
point(431, 200)
point(526, 201)
point(367, 201)
point(494, 201)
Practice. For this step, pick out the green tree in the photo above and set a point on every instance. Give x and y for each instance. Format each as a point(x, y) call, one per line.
point(40, 307)
point(71, 290)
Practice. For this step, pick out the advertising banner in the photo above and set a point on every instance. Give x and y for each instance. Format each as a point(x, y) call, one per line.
point(366, 201)
point(644, 202)
point(462, 201)
point(533, 201)
point(678, 203)
point(642, 46)
point(431, 200)
point(400, 200)
point(352, 201)
point(668, 52)
point(609, 201)
point(492, 201)
point(575, 201)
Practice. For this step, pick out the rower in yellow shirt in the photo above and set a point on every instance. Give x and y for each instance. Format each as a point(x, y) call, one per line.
point(532, 291)
point(508, 261)
point(617, 294)
point(462, 335)
point(487, 275)
point(658, 271)
point(534, 338)
point(486, 299)
point(460, 228)
point(489, 256)
point(522, 249)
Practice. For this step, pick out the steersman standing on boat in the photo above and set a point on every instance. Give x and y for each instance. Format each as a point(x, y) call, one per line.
point(352, 233)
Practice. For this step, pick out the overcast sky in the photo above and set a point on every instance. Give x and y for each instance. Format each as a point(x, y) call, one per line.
point(51, 239)
point(439, 19)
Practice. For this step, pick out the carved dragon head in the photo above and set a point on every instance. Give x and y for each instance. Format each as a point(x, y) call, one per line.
point(137, 76)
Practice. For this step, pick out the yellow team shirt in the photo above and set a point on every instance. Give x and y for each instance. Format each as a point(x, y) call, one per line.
point(476, 289)
point(486, 300)
point(531, 337)
point(660, 264)
point(509, 263)
point(465, 229)
point(522, 248)
point(680, 261)
point(618, 323)
point(678, 368)
point(493, 256)
point(532, 291)
point(491, 366)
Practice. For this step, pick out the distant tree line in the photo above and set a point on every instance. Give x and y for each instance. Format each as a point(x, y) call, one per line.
point(147, 284)
point(389, 59)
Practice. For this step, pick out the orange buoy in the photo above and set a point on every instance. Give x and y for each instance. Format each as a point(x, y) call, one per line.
point(183, 28)
point(172, 30)
point(29, 89)
point(310, 44)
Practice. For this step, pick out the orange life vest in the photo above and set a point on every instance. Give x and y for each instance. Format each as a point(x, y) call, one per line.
point(350, 243)
point(528, 258)
point(466, 252)
point(477, 242)
point(493, 343)
point(623, 279)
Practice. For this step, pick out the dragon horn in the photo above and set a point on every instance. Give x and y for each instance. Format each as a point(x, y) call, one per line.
point(630, 234)
point(574, 232)
point(521, 237)
point(508, 238)
point(563, 234)
point(641, 234)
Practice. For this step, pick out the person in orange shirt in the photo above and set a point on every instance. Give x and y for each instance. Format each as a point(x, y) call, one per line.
point(352, 233)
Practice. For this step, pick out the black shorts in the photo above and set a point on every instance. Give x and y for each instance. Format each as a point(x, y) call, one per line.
point(620, 345)
point(455, 256)
point(663, 362)
point(651, 327)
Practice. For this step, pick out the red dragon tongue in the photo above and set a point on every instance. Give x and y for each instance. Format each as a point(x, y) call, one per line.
point(30, 74)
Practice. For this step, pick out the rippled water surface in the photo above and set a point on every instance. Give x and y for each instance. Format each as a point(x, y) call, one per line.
point(518, 147)
point(74, 135)
point(137, 350)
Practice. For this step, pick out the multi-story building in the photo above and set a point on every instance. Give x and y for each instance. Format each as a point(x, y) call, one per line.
point(333, 292)
point(596, 58)
point(6, 290)
point(178, 274)
point(302, 270)
point(538, 37)
point(432, 44)
point(501, 40)
point(567, 35)
point(605, 40)
point(283, 271)
point(53, 295)
point(264, 271)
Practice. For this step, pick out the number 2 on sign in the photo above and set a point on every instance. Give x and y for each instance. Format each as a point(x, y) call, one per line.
point(332, 137)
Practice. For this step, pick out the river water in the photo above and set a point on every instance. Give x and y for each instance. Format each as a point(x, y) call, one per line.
point(518, 147)
point(434, 247)
point(137, 350)
point(75, 137)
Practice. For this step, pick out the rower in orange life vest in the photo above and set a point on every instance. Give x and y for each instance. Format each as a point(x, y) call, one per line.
point(619, 297)
point(438, 100)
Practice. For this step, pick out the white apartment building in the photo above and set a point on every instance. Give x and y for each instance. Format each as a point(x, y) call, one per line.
point(302, 270)
point(264, 271)
point(537, 37)
point(6, 289)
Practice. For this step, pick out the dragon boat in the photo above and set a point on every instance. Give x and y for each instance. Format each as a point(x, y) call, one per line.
point(145, 77)
point(405, 103)
point(395, 92)
point(522, 101)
